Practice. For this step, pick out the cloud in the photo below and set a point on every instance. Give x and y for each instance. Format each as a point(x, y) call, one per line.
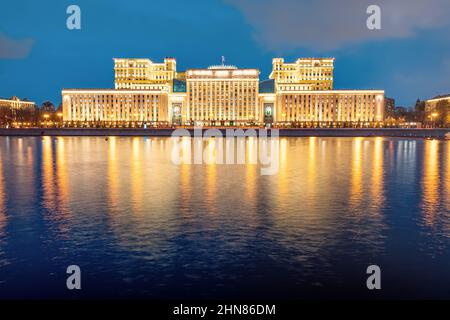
point(14, 49)
point(332, 24)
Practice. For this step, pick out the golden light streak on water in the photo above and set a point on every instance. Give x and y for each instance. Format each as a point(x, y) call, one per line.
point(62, 171)
point(377, 185)
point(447, 178)
point(356, 185)
point(282, 175)
point(186, 150)
point(251, 150)
point(48, 171)
point(3, 218)
point(251, 169)
point(211, 176)
point(431, 180)
point(312, 168)
point(113, 173)
point(136, 174)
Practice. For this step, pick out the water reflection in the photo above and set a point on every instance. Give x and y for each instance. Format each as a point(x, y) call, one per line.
point(3, 217)
point(283, 173)
point(48, 171)
point(430, 181)
point(113, 174)
point(377, 176)
point(312, 168)
point(446, 193)
point(137, 174)
point(2, 201)
point(211, 176)
point(124, 210)
point(447, 179)
point(356, 176)
point(62, 175)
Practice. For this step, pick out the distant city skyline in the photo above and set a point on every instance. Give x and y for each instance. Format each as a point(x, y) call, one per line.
point(409, 57)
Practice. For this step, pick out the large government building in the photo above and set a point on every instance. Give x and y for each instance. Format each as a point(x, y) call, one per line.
point(155, 94)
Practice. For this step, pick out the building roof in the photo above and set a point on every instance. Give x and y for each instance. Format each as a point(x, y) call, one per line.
point(441, 97)
point(222, 67)
point(16, 99)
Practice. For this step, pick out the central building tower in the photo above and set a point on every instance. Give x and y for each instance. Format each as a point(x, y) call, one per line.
point(222, 95)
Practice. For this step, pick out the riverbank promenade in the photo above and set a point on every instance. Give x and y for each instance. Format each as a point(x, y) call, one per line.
point(381, 132)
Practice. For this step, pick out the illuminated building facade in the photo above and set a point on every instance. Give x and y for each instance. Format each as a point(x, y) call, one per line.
point(222, 94)
point(16, 104)
point(437, 111)
point(306, 74)
point(330, 108)
point(115, 107)
point(155, 94)
point(144, 74)
point(16, 113)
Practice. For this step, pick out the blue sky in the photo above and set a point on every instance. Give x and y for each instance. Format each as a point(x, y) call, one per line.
point(409, 57)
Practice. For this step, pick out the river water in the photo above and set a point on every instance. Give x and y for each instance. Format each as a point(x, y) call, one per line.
point(141, 226)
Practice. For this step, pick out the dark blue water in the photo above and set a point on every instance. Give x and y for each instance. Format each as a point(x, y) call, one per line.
point(140, 226)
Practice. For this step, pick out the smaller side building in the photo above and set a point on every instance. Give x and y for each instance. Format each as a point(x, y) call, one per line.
point(16, 104)
point(14, 111)
point(115, 108)
point(437, 111)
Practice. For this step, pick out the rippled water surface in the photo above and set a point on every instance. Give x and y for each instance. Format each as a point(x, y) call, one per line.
point(140, 226)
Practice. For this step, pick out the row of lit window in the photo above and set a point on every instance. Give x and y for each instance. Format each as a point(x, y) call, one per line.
point(223, 116)
point(303, 97)
point(153, 99)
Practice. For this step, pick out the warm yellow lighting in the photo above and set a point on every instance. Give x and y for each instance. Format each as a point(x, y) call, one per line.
point(46, 116)
point(223, 95)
